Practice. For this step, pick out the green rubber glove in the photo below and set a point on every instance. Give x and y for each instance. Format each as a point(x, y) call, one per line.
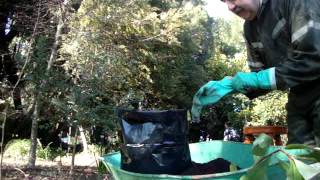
point(210, 93)
point(265, 79)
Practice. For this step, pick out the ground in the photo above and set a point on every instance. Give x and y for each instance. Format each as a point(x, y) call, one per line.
point(85, 168)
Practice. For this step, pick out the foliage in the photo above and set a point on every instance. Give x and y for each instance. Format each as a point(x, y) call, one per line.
point(227, 63)
point(150, 54)
point(47, 152)
point(296, 167)
point(102, 168)
point(229, 43)
point(240, 112)
point(265, 110)
point(269, 109)
point(19, 149)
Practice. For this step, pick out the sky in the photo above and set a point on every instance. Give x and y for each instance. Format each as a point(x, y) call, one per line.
point(216, 8)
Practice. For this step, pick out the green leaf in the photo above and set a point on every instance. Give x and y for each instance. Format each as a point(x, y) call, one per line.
point(293, 173)
point(306, 158)
point(258, 174)
point(297, 146)
point(313, 154)
point(261, 145)
point(102, 168)
point(259, 149)
point(307, 171)
point(284, 165)
point(258, 171)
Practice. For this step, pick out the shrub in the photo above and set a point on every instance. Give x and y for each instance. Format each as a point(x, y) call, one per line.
point(19, 149)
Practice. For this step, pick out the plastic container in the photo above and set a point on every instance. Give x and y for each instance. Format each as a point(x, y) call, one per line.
point(237, 153)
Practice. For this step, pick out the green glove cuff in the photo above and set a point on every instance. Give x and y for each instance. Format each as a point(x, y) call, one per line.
point(267, 79)
point(264, 79)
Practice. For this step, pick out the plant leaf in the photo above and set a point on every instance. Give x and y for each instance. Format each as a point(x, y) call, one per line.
point(297, 146)
point(307, 171)
point(284, 165)
point(258, 171)
point(306, 158)
point(293, 173)
point(315, 154)
point(312, 153)
point(259, 149)
point(261, 145)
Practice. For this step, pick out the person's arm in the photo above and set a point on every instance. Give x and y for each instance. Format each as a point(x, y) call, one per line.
point(255, 65)
point(303, 62)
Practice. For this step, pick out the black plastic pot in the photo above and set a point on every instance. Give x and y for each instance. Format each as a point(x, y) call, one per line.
point(154, 141)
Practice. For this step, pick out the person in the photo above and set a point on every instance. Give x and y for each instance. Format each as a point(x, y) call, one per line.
point(230, 134)
point(283, 45)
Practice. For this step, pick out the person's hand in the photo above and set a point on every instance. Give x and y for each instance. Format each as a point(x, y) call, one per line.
point(210, 93)
point(244, 82)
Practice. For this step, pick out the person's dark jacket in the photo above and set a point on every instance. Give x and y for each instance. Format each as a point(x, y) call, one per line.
point(286, 35)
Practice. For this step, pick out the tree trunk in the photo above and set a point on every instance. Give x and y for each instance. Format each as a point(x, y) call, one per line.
point(57, 40)
point(74, 151)
point(36, 117)
point(2, 137)
point(36, 101)
point(34, 133)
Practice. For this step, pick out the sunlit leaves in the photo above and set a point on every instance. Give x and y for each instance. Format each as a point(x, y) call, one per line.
point(134, 45)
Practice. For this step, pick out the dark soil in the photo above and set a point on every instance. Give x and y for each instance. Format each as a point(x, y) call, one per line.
point(215, 166)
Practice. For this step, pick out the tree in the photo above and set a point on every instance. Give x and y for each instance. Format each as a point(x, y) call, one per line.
point(146, 54)
point(40, 41)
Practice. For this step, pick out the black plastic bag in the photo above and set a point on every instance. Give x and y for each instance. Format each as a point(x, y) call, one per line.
point(154, 142)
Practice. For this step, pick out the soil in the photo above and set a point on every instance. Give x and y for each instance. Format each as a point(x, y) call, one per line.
point(215, 166)
point(85, 169)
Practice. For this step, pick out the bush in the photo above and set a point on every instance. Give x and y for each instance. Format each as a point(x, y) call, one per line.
point(270, 109)
point(19, 149)
point(47, 152)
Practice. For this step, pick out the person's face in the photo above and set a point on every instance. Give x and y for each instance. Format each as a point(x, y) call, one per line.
point(246, 9)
